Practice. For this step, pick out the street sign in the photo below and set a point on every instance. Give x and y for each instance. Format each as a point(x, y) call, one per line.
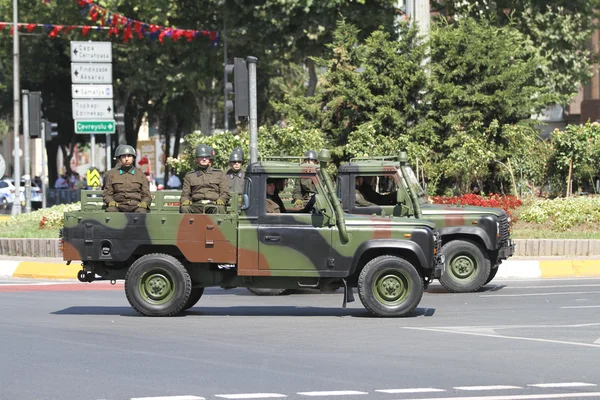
point(100, 127)
point(91, 73)
point(93, 109)
point(92, 91)
point(93, 178)
point(91, 51)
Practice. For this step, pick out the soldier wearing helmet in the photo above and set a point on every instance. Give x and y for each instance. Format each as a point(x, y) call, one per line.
point(235, 174)
point(204, 186)
point(305, 188)
point(126, 187)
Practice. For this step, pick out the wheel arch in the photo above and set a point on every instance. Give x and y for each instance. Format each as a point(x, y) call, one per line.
point(471, 234)
point(406, 249)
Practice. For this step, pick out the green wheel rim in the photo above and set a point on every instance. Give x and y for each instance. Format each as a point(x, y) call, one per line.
point(463, 267)
point(391, 288)
point(157, 287)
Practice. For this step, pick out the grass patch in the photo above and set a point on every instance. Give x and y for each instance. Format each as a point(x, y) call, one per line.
point(528, 230)
point(43, 223)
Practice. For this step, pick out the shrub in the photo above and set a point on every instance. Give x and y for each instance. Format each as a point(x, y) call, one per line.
point(45, 218)
point(564, 213)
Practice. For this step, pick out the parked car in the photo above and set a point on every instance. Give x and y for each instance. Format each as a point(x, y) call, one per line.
point(7, 191)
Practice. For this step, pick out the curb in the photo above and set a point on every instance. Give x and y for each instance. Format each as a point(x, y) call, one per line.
point(555, 268)
point(510, 269)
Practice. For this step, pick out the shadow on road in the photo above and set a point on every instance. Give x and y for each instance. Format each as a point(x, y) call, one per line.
point(442, 290)
point(243, 311)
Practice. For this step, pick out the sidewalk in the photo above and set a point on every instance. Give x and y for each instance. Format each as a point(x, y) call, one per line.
point(523, 267)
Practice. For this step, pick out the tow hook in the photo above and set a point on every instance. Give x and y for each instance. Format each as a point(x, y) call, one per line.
point(86, 276)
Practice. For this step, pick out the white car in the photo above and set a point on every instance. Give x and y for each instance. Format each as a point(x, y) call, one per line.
point(7, 192)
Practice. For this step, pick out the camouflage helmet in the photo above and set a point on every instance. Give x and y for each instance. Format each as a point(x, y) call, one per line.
point(117, 150)
point(310, 155)
point(236, 156)
point(125, 149)
point(203, 150)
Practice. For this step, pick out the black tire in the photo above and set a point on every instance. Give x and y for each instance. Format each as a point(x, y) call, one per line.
point(267, 292)
point(158, 285)
point(466, 269)
point(195, 296)
point(492, 275)
point(390, 286)
point(3, 204)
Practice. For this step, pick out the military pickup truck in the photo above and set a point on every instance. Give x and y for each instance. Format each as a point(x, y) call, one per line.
point(475, 239)
point(167, 259)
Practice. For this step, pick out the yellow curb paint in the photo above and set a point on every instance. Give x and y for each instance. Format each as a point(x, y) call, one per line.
point(569, 268)
point(41, 270)
point(4, 217)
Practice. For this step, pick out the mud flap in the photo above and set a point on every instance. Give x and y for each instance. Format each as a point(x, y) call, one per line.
point(348, 294)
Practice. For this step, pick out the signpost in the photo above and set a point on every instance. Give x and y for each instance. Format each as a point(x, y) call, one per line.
point(105, 127)
point(92, 91)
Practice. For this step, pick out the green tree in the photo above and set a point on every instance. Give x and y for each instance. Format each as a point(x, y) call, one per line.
point(560, 29)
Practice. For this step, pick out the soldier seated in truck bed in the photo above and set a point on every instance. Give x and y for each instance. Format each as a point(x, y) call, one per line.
point(126, 187)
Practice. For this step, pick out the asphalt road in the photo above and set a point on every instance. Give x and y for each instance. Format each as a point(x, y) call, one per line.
point(526, 339)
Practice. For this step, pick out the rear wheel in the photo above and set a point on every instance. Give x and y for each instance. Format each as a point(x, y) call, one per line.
point(390, 286)
point(267, 292)
point(492, 275)
point(195, 296)
point(158, 285)
point(467, 268)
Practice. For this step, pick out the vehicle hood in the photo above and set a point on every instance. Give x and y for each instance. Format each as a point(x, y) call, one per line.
point(374, 220)
point(448, 209)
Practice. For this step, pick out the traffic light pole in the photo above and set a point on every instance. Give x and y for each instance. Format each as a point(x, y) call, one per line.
point(43, 177)
point(16, 208)
point(92, 148)
point(253, 109)
point(26, 155)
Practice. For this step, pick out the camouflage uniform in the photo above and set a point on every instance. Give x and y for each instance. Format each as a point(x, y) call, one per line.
point(128, 188)
point(303, 190)
point(203, 187)
point(360, 199)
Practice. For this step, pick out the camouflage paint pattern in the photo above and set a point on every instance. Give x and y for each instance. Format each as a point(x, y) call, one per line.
point(273, 245)
point(479, 222)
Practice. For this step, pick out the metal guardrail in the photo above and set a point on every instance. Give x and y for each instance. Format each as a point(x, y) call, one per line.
point(62, 196)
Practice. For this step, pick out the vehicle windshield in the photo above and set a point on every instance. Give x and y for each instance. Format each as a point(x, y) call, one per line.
point(412, 180)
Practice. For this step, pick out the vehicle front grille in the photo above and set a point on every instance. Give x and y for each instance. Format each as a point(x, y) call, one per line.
point(504, 229)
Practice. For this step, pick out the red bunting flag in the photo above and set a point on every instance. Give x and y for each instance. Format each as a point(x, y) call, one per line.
point(85, 30)
point(55, 31)
point(31, 27)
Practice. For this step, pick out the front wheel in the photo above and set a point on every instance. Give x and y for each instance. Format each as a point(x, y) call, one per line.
point(158, 285)
point(390, 286)
point(467, 268)
point(492, 275)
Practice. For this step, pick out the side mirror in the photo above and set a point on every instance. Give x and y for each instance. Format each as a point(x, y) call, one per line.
point(245, 201)
point(320, 204)
point(400, 196)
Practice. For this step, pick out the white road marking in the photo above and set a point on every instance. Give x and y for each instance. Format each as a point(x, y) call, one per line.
point(333, 393)
point(251, 395)
point(492, 387)
point(549, 286)
point(580, 307)
point(521, 397)
point(536, 294)
point(415, 390)
point(169, 398)
point(562, 384)
point(506, 337)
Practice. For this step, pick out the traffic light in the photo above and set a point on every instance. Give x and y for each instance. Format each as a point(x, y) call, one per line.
point(50, 130)
point(35, 114)
point(239, 88)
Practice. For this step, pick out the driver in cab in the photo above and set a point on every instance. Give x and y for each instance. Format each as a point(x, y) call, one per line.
point(273, 200)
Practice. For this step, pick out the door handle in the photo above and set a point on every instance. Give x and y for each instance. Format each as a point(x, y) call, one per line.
point(272, 238)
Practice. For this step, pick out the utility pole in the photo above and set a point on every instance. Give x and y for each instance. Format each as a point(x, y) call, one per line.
point(253, 109)
point(419, 12)
point(16, 207)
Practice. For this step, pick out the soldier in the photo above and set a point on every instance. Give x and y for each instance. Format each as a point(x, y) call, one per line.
point(235, 173)
point(358, 195)
point(126, 188)
point(203, 186)
point(271, 203)
point(305, 188)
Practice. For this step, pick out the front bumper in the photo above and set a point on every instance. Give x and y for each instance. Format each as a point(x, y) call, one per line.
point(507, 250)
point(439, 266)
